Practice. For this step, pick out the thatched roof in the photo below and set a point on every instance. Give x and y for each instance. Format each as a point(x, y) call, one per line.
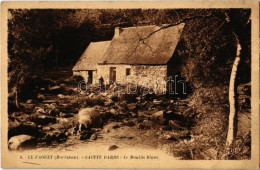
point(126, 48)
point(91, 56)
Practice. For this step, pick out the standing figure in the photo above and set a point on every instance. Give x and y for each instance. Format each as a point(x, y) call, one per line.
point(101, 82)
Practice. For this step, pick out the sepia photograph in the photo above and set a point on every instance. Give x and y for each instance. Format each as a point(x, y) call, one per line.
point(129, 84)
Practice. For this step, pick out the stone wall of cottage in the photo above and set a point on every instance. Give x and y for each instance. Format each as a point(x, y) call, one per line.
point(153, 75)
point(84, 75)
point(104, 71)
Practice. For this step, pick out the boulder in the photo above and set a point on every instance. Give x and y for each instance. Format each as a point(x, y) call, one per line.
point(93, 136)
point(66, 115)
point(113, 147)
point(91, 95)
point(29, 101)
point(132, 106)
point(157, 102)
point(174, 125)
point(116, 126)
point(109, 102)
point(159, 117)
point(22, 142)
point(27, 107)
point(170, 137)
point(170, 115)
point(60, 96)
point(16, 128)
point(42, 89)
point(40, 110)
point(55, 89)
point(104, 94)
point(46, 128)
point(85, 135)
point(40, 97)
point(53, 112)
point(113, 112)
point(44, 119)
point(49, 101)
point(129, 123)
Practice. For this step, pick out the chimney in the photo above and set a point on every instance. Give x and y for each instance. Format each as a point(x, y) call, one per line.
point(118, 30)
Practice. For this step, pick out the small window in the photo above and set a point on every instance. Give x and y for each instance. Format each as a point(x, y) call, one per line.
point(128, 71)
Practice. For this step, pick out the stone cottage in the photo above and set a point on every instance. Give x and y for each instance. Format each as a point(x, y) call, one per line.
point(86, 66)
point(140, 55)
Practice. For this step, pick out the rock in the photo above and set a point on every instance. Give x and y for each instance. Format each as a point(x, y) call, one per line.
point(48, 139)
point(169, 112)
point(104, 94)
point(28, 107)
point(116, 126)
point(109, 102)
point(170, 137)
point(174, 125)
point(93, 136)
point(67, 134)
point(158, 114)
point(133, 114)
point(29, 101)
point(138, 98)
point(84, 132)
point(40, 111)
point(44, 120)
point(55, 89)
point(170, 115)
point(85, 135)
point(129, 123)
point(113, 147)
point(21, 142)
point(40, 97)
point(15, 128)
point(82, 137)
point(53, 112)
point(60, 136)
point(185, 136)
point(42, 89)
point(113, 112)
point(62, 120)
point(140, 126)
point(47, 128)
point(159, 117)
point(66, 115)
point(49, 101)
point(55, 136)
point(91, 95)
point(60, 96)
point(132, 106)
point(157, 102)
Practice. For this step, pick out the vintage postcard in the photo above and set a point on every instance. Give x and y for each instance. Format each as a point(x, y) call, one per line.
point(148, 84)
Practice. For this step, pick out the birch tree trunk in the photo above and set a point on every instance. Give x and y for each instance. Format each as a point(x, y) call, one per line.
point(232, 95)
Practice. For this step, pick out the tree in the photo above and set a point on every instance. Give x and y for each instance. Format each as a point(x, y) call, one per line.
point(237, 24)
point(239, 33)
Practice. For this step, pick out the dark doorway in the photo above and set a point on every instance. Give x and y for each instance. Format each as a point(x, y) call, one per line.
point(112, 74)
point(90, 77)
